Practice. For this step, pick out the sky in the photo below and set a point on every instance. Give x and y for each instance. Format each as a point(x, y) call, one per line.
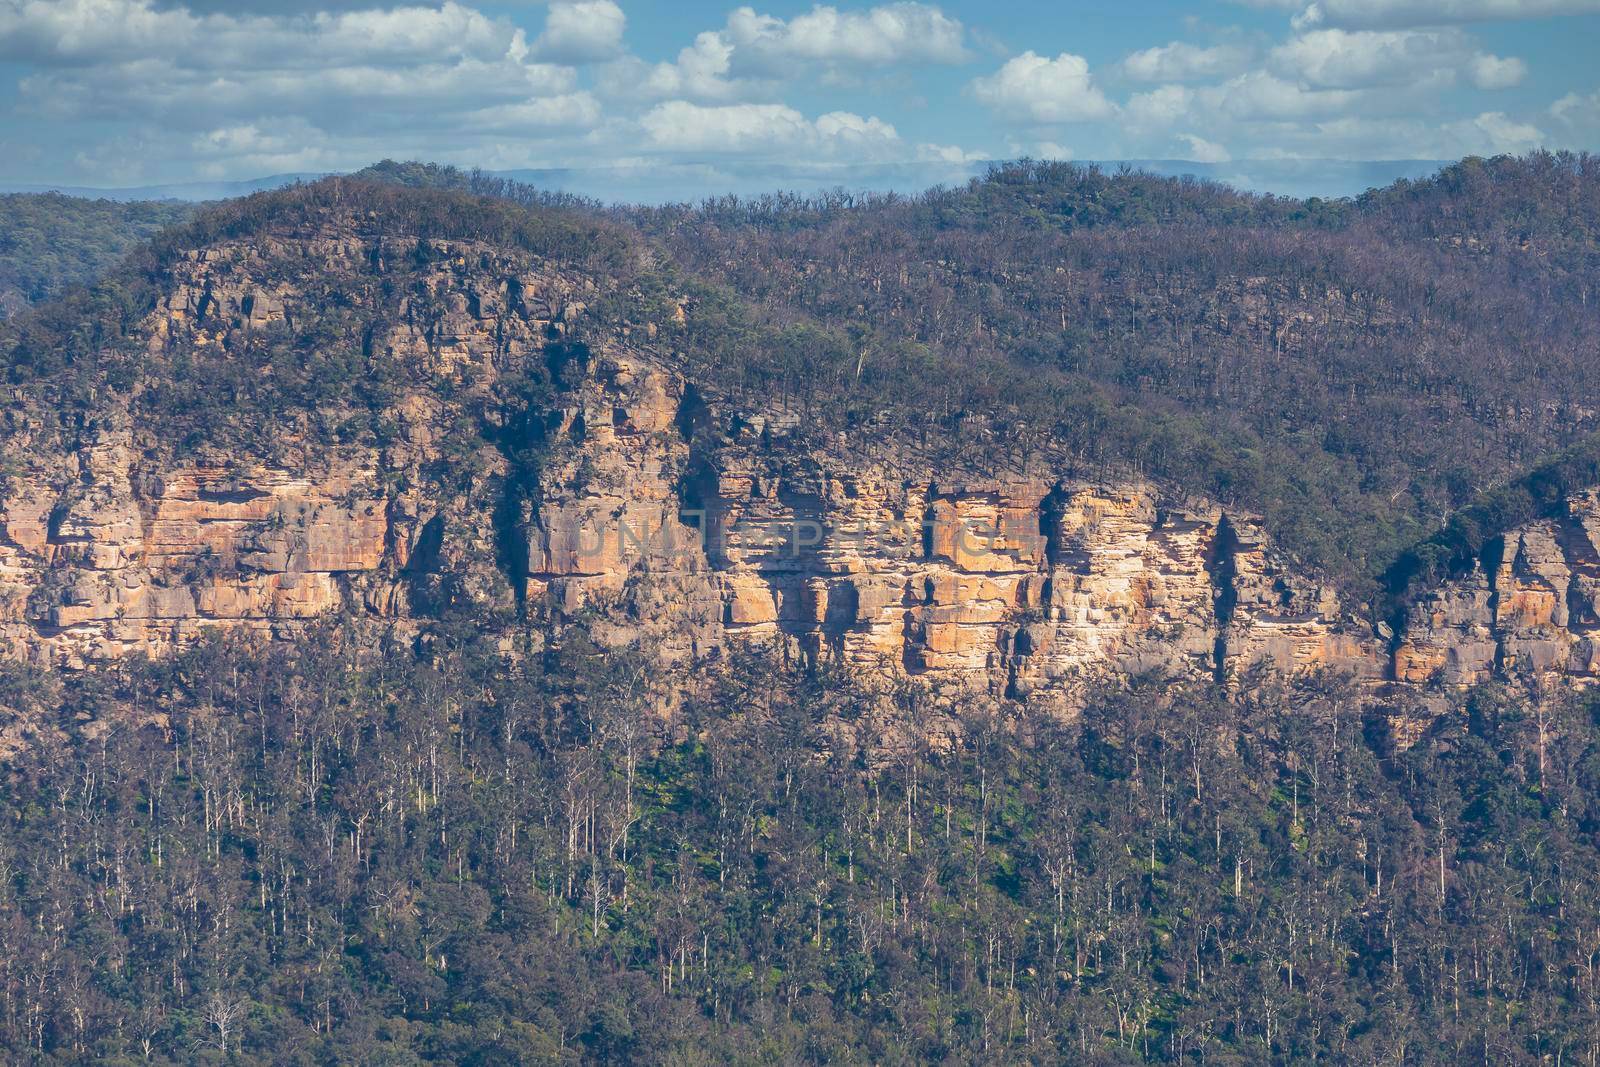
point(637, 99)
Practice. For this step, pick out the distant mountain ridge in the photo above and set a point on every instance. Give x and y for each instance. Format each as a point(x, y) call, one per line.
point(1281, 177)
point(49, 244)
point(192, 191)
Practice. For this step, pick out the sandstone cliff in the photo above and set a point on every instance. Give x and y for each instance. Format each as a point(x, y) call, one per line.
point(1531, 606)
point(114, 541)
point(626, 492)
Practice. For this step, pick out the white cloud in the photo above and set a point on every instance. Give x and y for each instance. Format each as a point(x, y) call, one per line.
point(1337, 93)
point(679, 125)
point(577, 110)
point(1263, 96)
point(1032, 88)
point(1496, 133)
point(357, 67)
point(1357, 137)
point(581, 31)
point(1181, 61)
point(1159, 107)
point(224, 90)
point(946, 153)
point(701, 72)
point(1204, 151)
point(889, 34)
point(1362, 59)
point(1493, 72)
point(1435, 12)
point(753, 53)
point(1577, 118)
point(1576, 108)
point(848, 126)
point(253, 93)
point(79, 33)
point(285, 146)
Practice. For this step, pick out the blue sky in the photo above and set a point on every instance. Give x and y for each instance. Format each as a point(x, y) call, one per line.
point(637, 98)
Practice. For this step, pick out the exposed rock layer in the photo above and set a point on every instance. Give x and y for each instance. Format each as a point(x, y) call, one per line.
point(670, 515)
point(1024, 585)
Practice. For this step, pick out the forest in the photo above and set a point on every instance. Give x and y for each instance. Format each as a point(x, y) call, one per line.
point(50, 243)
point(514, 843)
point(325, 852)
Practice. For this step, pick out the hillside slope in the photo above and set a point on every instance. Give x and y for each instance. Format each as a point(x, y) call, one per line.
point(50, 242)
point(442, 629)
point(1351, 370)
point(421, 410)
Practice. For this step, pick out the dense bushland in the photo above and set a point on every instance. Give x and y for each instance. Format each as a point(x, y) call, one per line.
point(1355, 370)
point(50, 243)
point(310, 854)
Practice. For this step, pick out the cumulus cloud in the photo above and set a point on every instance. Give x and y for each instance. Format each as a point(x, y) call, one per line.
point(259, 86)
point(265, 7)
point(578, 110)
point(701, 71)
point(1577, 108)
point(81, 33)
point(269, 148)
point(948, 153)
point(1033, 89)
point(1204, 151)
point(1361, 59)
point(1159, 107)
point(1332, 92)
point(1497, 133)
point(680, 125)
point(1255, 98)
point(581, 31)
point(1181, 61)
point(1379, 13)
point(1260, 95)
point(1577, 119)
point(125, 59)
point(1493, 72)
point(753, 53)
point(1356, 137)
point(890, 34)
point(252, 92)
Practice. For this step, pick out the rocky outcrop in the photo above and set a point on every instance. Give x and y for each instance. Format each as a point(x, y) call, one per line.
point(119, 563)
point(1530, 606)
point(623, 495)
point(114, 542)
point(1027, 585)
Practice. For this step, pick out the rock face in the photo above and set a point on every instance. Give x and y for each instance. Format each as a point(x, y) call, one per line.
point(653, 510)
point(112, 542)
point(1026, 585)
point(1531, 606)
point(103, 569)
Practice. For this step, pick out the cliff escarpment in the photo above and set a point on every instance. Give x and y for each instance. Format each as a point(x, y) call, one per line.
point(316, 424)
point(331, 418)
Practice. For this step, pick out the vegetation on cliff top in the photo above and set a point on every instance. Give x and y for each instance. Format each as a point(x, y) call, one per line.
point(1355, 370)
